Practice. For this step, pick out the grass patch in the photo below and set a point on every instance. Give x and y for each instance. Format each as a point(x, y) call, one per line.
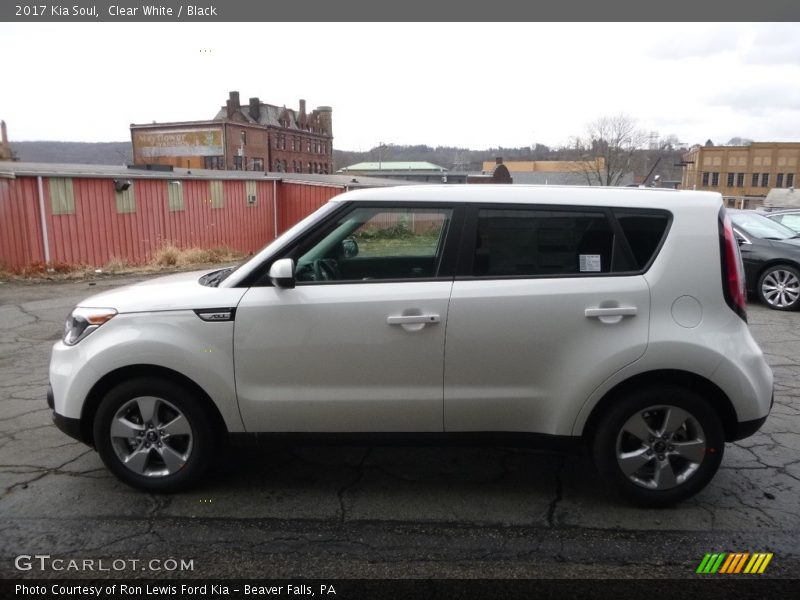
point(170, 255)
point(167, 258)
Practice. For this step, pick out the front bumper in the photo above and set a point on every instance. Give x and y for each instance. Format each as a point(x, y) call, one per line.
point(72, 427)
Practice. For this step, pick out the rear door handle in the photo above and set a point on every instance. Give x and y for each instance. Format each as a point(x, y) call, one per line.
point(610, 315)
point(412, 319)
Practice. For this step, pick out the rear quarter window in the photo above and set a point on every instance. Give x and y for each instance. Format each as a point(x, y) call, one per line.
point(645, 232)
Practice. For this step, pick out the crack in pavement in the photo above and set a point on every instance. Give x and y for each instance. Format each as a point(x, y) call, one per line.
point(341, 492)
point(551, 509)
point(45, 472)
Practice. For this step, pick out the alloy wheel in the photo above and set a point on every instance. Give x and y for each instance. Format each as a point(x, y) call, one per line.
point(151, 436)
point(660, 447)
point(780, 288)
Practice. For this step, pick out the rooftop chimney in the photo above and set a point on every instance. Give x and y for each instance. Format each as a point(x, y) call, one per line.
point(3, 135)
point(255, 108)
point(232, 105)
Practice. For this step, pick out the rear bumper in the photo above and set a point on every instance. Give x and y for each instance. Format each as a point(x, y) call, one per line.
point(745, 429)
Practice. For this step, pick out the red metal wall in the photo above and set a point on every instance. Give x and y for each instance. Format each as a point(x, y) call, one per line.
point(297, 200)
point(20, 230)
point(96, 232)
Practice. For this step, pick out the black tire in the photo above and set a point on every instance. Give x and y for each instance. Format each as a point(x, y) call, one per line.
point(171, 463)
point(784, 298)
point(667, 476)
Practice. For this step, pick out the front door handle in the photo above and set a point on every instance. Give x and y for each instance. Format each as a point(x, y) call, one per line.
point(610, 315)
point(412, 319)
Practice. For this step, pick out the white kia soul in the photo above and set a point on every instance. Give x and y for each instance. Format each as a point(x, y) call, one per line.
point(521, 315)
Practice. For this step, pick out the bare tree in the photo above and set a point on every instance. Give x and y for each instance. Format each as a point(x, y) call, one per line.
point(607, 149)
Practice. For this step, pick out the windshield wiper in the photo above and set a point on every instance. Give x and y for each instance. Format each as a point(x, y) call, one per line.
point(217, 277)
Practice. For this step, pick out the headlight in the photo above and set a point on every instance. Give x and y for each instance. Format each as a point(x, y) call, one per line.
point(84, 321)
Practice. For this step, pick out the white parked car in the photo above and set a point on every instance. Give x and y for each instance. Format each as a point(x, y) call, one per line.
point(613, 317)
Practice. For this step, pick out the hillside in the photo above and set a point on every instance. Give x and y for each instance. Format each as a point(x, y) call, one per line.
point(98, 153)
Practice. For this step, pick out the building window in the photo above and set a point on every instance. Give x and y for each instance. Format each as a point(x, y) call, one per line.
point(765, 180)
point(779, 180)
point(257, 164)
point(754, 182)
point(237, 163)
point(715, 179)
point(730, 179)
point(705, 179)
point(213, 162)
point(62, 196)
point(217, 198)
point(740, 180)
point(126, 200)
point(309, 168)
point(175, 196)
point(790, 180)
point(277, 142)
point(308, 146)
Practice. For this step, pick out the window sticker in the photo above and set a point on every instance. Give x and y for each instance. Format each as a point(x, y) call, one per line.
point(589, 263)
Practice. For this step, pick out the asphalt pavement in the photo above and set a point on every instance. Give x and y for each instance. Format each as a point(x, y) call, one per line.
point(378, 511)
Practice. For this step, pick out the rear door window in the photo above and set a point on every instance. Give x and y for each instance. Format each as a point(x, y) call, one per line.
point(564, 241)
point(540, 242)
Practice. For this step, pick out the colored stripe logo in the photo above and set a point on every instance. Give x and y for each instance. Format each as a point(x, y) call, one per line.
point(729, 563)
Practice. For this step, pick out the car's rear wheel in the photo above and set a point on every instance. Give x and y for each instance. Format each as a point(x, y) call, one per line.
point(153, 435)
point(779, 287)
point(658, 446)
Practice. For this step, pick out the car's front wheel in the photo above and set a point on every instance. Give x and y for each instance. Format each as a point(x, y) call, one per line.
point(658, 446)
point(153, 435)
point(779, 287)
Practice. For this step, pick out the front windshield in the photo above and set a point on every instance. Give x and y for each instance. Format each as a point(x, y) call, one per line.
point(761, 227)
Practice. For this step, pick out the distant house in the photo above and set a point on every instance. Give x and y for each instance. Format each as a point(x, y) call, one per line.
point(251, 137)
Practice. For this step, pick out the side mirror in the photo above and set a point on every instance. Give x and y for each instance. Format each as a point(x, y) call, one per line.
point(349, 247)
point(281, 273)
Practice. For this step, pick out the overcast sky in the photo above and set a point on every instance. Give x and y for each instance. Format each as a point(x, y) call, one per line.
point(467, 85)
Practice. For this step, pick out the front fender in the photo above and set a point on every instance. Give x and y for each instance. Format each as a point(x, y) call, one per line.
point(178, 340)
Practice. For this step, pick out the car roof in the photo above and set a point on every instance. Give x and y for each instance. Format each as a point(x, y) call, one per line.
point(541, 194)
point(782, 211)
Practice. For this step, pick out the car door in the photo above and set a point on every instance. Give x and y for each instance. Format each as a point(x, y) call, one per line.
point(539, 317)
point(358, 344)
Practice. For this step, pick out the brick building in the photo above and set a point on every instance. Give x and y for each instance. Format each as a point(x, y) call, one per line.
point(253, 137)
point(746, 173)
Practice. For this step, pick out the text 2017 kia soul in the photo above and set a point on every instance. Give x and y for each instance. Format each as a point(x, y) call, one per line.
point(518, 314)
